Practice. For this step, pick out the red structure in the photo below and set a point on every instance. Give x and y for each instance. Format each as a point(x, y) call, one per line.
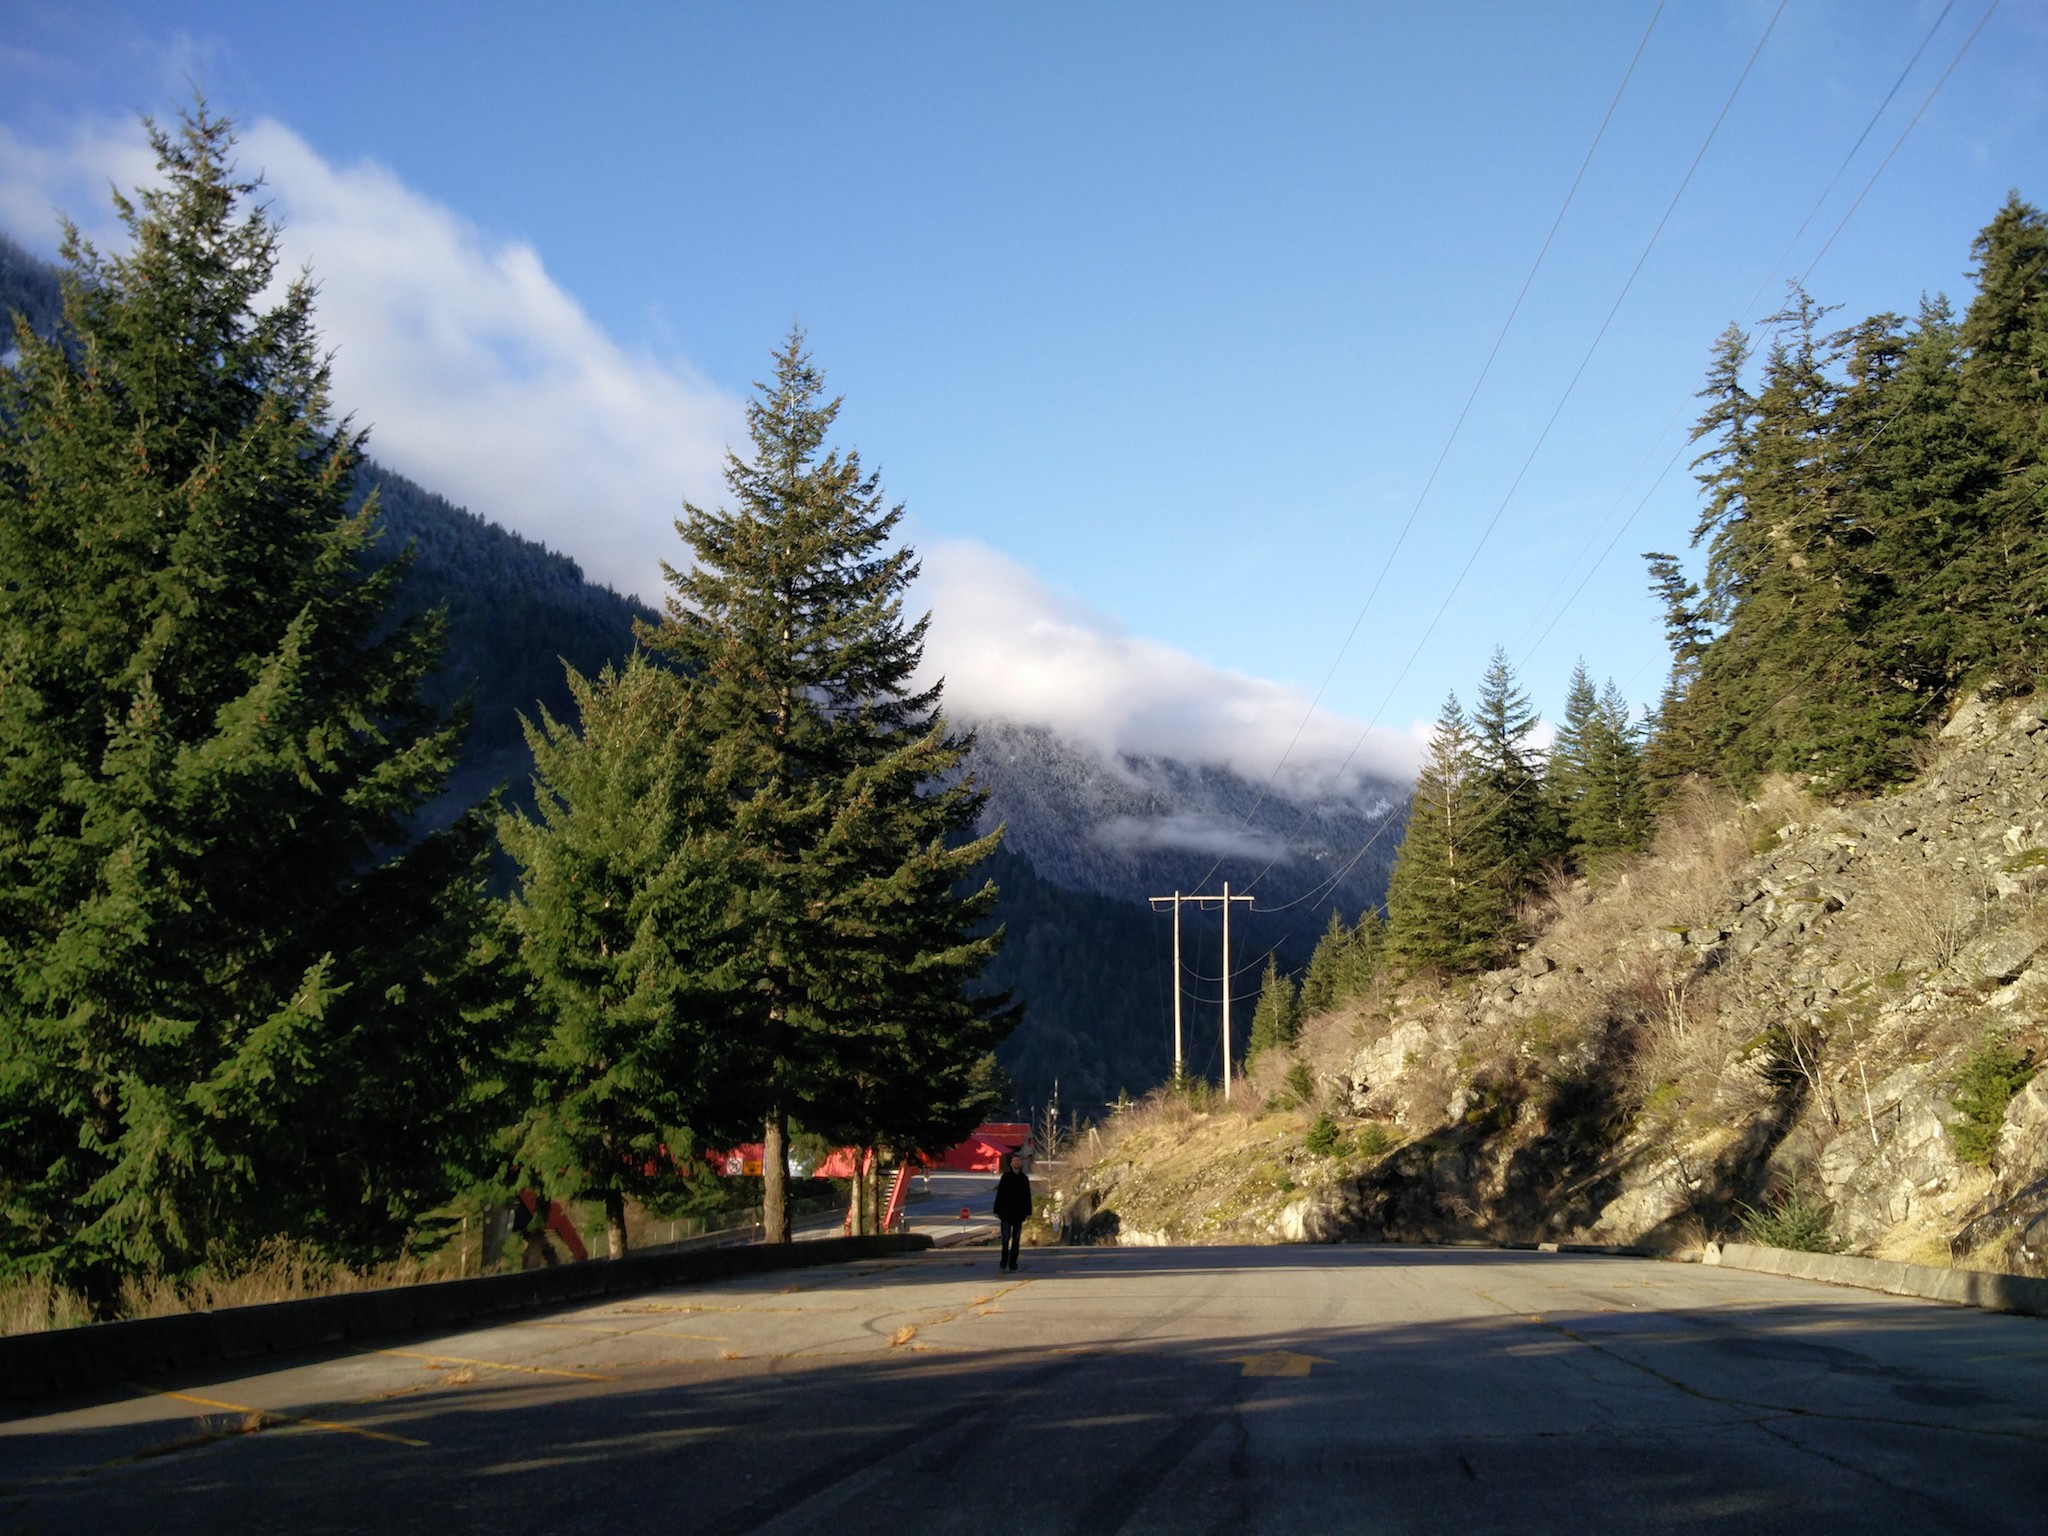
point(556, 1220)
point(982, 1152)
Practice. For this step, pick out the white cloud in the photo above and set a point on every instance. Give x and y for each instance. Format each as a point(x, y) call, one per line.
point(483, 379)
point(1011, 648)
point(1193, 831)
point(476, 373)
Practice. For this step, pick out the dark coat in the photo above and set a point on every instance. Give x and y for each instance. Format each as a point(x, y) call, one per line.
point(1013, 1197)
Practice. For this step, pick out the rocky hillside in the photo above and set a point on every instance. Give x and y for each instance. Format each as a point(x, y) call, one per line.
point(1788, 1012)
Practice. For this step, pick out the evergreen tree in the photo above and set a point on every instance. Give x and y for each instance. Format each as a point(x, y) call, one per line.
point(2003, 377)
point(1448, 906)
point(618, 917)
point(905, 1058)
point(1363, 956)
point(1611, 814)
point(1676, 748)
point(1502, 720)
point(238, 998)
point(1927, 489)
point(1276, 1019)
point(840, 780)
point(1321, 982)
point(1722, 471)
point(1564, 773)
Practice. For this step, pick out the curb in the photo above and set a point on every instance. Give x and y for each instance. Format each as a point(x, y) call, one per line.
point(36, 1365)
point(1964, 1287)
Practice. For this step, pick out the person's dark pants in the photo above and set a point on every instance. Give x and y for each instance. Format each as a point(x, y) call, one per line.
point(1013, 1235)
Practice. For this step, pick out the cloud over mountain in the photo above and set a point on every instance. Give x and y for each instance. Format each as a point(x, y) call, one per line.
point(482, 378)
point(1011, 648)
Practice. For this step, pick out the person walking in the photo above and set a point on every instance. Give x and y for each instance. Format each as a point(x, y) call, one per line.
point(1012, 1209)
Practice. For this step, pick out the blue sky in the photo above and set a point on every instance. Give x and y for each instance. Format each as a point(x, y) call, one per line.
point(1157, 316)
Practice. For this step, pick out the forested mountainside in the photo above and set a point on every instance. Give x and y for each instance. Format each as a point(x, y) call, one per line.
point(516, 611)
point(1133, 827)
point(28, 287)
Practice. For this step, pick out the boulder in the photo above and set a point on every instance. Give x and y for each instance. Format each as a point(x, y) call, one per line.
point(1997, 958)
point(1874, 1188)
point(1383, 1063)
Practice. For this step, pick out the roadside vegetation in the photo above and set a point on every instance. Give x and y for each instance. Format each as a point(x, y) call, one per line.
point(1614, 986)
point(265, 1028)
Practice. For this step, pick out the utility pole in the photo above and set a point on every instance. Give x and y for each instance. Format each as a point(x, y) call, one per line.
point(1179, 1066)
point(1227, 900)
point(1178, 901)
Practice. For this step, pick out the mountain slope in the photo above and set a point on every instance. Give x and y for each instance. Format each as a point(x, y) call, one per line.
point(1133, 827)
point(1816, 1010)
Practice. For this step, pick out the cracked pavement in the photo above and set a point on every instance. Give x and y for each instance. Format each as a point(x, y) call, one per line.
point(1351, 1388)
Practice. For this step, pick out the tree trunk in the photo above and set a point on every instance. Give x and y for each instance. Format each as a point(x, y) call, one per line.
point(873, 1180)
point(614, 1224)
point(775, 1178)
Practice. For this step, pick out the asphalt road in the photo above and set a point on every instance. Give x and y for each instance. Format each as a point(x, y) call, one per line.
point(1143, 1390)
point(932, 1206)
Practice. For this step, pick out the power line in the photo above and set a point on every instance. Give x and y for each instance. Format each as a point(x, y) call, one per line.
point(1487, 533)
point(1457, 426)
point(1750, 304)
point(1925, 103)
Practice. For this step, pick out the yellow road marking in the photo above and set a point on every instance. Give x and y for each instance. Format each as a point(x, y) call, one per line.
point(283, 1418)
point(497, 1365)
point(1277, 1362)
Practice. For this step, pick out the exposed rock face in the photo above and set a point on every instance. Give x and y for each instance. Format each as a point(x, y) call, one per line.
point(1876, 1177)
point(1786, 1008)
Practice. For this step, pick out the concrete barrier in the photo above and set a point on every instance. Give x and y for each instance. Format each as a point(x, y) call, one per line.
point(1964, 1287)
point(72, 1359)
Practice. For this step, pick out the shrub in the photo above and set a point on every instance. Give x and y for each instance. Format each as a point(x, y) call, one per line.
point(1375, 1139)
point(1322, 1137)
point(1300, 1082)
point(1798, 1221)
point(1989, 1077)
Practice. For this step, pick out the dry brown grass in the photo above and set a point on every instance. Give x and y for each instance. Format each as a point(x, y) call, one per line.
point(34, 1304)
point(1924, 915)
point(280, 1271)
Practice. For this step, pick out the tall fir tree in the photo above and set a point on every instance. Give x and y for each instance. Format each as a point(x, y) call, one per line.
point(1320, 983)
point(1502, 722)
point(238, 998)
point(620, 916)
point(1564, 770)
point(1611, 814)
point(1276, 1017)
point(2003, 377)
point(1448, 907)
point(1676, 749)
point(848, 814)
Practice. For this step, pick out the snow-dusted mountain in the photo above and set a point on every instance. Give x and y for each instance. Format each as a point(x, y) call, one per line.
point(1090, 835)
point(1131, 827)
